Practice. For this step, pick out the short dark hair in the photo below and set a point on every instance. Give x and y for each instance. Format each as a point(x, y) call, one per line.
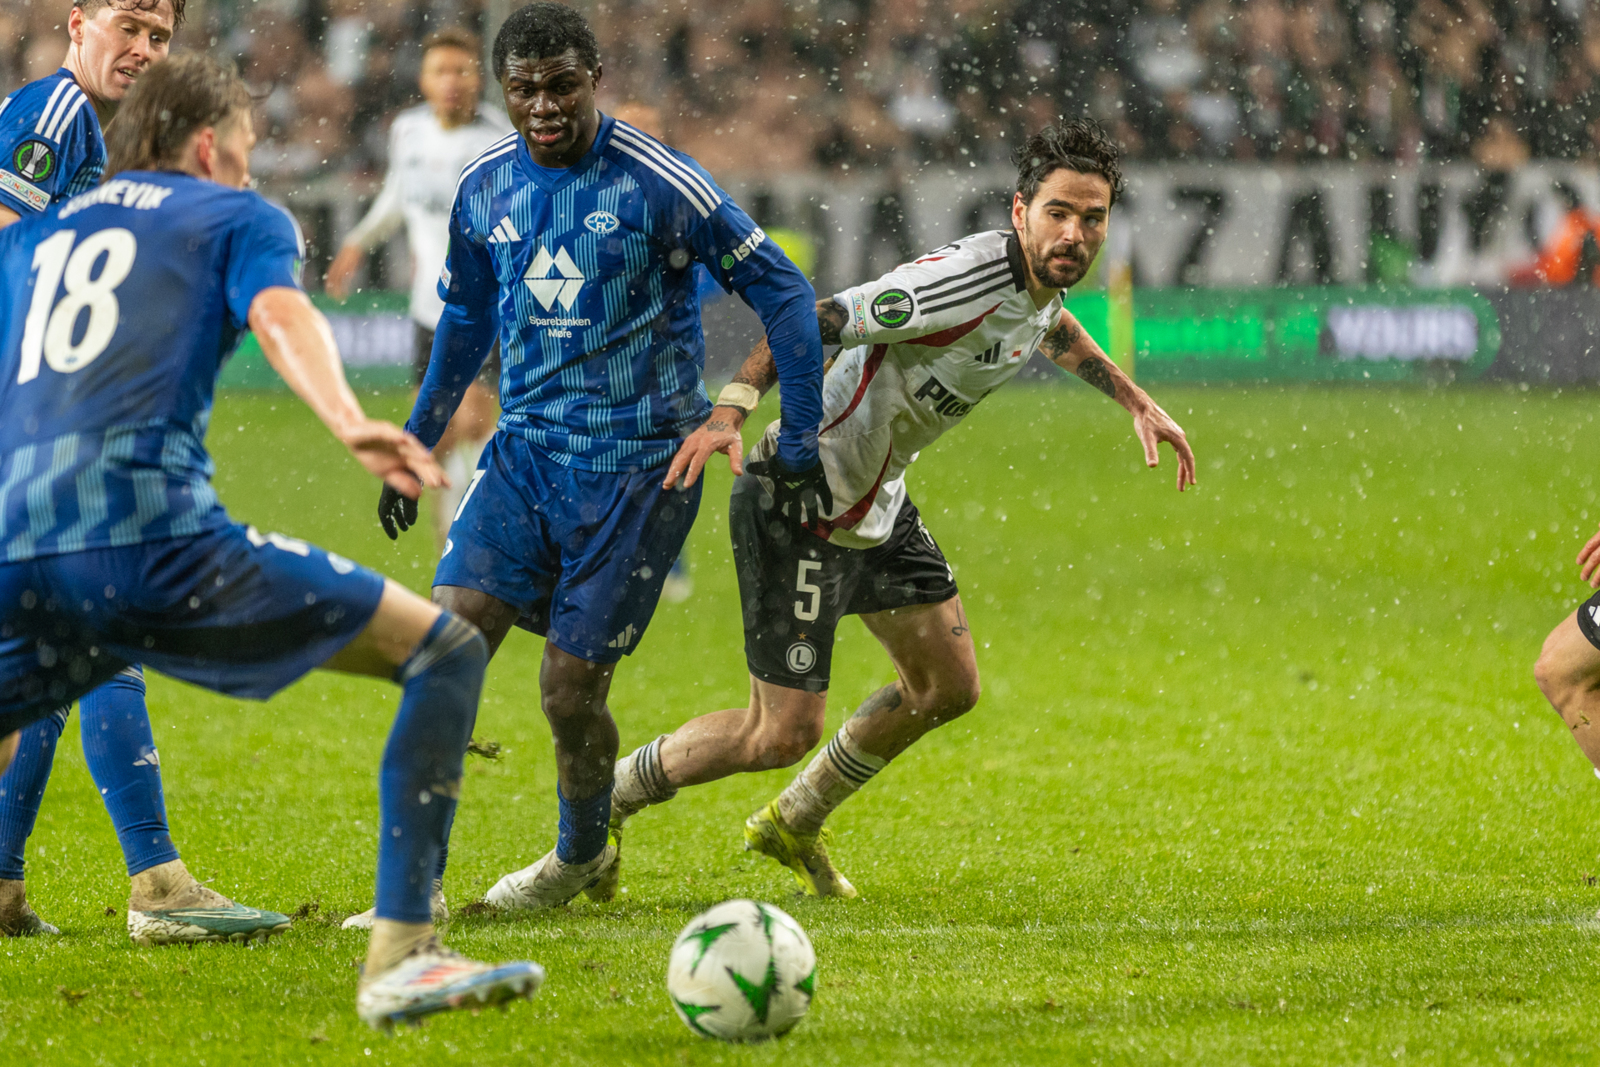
point(542, 30)
point(452, 37)
point(171, 101)
point(92, 7)
point(1080, 145)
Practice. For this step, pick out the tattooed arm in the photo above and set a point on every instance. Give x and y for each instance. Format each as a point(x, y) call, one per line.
point(720, 433)
point(1071, 348)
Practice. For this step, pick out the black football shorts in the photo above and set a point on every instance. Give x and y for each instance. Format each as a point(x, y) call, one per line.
point(795, 587)
point(1589, 619)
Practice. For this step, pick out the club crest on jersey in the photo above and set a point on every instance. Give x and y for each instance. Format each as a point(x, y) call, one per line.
point(893, 308)
point(603, 223)
point(34, 160)
point(564, 285)
point(801, 657)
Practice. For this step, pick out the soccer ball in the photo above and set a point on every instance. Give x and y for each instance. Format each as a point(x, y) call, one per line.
point(742, 971)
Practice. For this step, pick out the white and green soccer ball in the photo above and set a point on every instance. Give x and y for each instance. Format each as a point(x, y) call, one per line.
point(743, 971)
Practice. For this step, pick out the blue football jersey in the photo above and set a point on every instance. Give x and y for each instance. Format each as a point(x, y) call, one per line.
point(117, 310)
point(50, 144)
point(591, 271)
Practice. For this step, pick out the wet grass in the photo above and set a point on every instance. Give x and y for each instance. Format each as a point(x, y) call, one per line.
point(1259, 774)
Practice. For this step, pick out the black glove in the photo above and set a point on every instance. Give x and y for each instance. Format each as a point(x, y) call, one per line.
point(396, 511)
point(799, 496)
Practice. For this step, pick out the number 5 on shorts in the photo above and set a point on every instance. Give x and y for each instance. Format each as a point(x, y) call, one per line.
point(801, 611)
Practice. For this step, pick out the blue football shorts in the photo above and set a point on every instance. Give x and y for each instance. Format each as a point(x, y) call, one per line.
point(231, 610)
point(581, 555)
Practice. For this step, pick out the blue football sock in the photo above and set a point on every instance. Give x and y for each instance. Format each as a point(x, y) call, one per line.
point(121, 754)
point(582, 832)
point(444, 849)
point(421, 773)
point(22, 788)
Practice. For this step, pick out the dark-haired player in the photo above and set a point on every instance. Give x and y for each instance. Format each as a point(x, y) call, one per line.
point(576, 240)
point(925, 344)
point(51, 148)
point(118, 308)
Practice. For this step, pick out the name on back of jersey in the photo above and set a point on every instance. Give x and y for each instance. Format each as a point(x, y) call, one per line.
point(145, 196)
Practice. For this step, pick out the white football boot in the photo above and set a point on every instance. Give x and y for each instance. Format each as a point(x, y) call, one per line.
point(550, 883)
point(436, 904)
point(197, 913)
point(431, 978)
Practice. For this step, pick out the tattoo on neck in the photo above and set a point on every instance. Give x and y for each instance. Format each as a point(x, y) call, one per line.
point(885, 699)
point(1093, 370)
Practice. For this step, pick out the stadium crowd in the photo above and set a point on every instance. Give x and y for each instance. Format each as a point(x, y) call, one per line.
point(773, 86)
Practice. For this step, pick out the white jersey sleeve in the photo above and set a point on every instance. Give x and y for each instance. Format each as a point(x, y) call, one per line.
point(387, 213)
point(943, 291)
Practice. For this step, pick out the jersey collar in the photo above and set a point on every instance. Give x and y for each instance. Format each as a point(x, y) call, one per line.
point(541, 175)
point(1019, 269)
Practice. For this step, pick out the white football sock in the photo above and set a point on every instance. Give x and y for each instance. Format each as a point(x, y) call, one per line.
point(460, 465)
point(832, 776)
point(640, 781)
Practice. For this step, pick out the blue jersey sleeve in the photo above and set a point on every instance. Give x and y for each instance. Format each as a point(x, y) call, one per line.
point(265, 253)
point(742, 258)
point(50, 145)
point(468, 277)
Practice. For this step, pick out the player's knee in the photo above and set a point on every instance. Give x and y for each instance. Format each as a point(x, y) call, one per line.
point(786, 743)
point(1553, 681)
point(452, 648)
point(783, 734)
point(948, 698)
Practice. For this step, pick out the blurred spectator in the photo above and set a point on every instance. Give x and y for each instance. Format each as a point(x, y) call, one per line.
point(763, 86)
point(1571, 255)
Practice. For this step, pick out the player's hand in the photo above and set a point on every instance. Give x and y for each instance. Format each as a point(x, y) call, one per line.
point(403, 462)
point(719, 433)
point(1153, 426)
point(1589, 562)
point(800, 496)
point(342, 270)
point(397, 513)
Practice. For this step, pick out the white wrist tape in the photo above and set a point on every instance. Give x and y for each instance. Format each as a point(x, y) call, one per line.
point(739, 395)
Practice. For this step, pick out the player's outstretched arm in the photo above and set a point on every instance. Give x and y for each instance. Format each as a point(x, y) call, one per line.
point(720, 432)
point(1071, 348)
point(299, 345)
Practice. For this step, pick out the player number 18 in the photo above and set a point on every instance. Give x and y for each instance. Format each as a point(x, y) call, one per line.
point(48, 334)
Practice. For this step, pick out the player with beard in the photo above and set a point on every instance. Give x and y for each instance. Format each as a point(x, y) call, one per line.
point(51, 149)
point(925, 344)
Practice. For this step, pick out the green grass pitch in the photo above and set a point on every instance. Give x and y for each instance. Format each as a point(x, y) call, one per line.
point(1259, 775)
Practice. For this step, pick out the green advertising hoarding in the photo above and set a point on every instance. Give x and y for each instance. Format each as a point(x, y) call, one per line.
point(1180, 335)
point(1312, 334)
point(374, 335)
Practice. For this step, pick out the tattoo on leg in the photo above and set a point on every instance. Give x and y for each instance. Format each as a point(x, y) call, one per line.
point(961, 626)
point(1093, 370)
point(885, 699)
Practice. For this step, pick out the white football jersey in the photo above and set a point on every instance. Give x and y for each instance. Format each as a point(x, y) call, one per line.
point(937, 336)
point(425, 163)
